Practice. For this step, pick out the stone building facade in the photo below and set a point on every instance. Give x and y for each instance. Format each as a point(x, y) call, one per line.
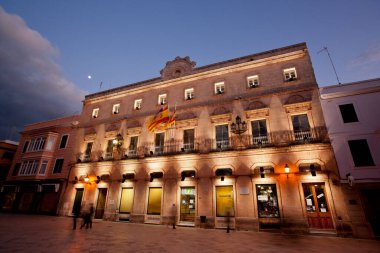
point(249, 147)
point(354, 128)
point(40, 168)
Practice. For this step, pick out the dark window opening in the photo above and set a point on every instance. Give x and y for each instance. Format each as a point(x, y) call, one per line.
point(348, 113)
point(361, 153)
point(58, 166)
point(63, 141)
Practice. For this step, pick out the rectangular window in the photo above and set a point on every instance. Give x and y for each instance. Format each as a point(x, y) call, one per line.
point(159, 143)
point(301, 127)
point(133, 146)
point(224, 201)
point(109, 151)
point(219, 88)
point(154, 201)
point(290, 74)
point(126, 200)
point(348, 113)
point(63, 141)
point(16, 169)
point(137, 104)
point(87, 153)
point(50, 143)
point(189, 94)
point(26, 144)
point(28, 168)
point(162, 99)
point(187, 208)
point(95, 113)
point(188, 139)
point(267, 203)
point(37, 144)
point(361, 153)
point(253, 81)
point(43, 167)
point(222, 139)
point(58, 165)
point(259, 131)
point(115, 108)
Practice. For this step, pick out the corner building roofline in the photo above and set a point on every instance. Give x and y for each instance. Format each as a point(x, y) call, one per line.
point(213, 66)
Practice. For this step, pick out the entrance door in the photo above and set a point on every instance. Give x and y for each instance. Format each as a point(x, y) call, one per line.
point(318, 212)
point(77, 201)
point(99, 212)
point(187, 204)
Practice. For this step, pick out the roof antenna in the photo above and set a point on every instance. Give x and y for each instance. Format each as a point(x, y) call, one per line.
point(328, 53)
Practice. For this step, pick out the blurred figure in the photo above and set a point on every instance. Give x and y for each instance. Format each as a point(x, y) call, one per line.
point(87, 217)
point(228, 219)
point(174, 214)
point(76, 213)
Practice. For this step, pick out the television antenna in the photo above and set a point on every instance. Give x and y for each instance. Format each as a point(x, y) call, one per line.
point(325, 49)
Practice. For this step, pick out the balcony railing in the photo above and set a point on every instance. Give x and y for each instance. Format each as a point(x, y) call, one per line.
point(236, 142)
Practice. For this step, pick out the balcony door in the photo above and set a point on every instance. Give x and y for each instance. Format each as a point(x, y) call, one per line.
point(101, 203)
point(317, 208)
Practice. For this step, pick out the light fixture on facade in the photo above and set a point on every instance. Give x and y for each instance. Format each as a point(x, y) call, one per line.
point(187, 173)
point(262, 172)
point(127, 176)
point(238, 127)
point(97, 179)
point(118, 141)
point(222, 173)
point(154, 175)
point(313, 171)
point(287, 170)
point(75, 180)
point(86, 179)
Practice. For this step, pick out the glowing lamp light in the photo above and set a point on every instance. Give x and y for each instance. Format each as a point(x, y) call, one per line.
point(287, 169)
point(86, 179)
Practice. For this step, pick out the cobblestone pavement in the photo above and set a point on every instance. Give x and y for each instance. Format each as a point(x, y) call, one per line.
point(31, 233)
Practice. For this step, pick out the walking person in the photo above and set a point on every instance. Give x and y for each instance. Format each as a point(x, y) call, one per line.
point(174, 214)
point(76, 213)
point(90, 214)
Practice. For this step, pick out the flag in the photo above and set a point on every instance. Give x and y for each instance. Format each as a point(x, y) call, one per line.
point(161, 121)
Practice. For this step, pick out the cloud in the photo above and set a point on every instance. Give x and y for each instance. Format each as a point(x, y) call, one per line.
point(370, 56)
point(32, 86)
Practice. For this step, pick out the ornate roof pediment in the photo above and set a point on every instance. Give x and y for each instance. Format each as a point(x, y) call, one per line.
point(177, 68)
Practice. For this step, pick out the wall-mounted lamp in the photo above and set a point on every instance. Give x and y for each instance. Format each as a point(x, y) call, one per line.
point(97, 180)
point(86, 179)
point(222, 178)
point(154, 175)
point(222, 173)
point(287, 170)
point(75, 180)
point(118, 141)
point(262, 172)
point(238, 127)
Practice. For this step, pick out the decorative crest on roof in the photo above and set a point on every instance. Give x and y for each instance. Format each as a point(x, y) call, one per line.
point(177, 68)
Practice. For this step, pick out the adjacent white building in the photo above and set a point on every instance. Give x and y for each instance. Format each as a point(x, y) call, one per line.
point(352, 115)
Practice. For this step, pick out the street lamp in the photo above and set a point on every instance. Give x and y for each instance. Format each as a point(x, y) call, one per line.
point(238, 127)
point(118, 141)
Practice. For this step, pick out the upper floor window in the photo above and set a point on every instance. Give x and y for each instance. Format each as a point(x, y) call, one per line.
point(159, 143)
point(301, 127)
point(43, 167)
point(37, 144)
point(63, 141)
point(162, 99)
point(188, 139)
point(219, 88)
point(137, 105)
point(189, 94)
point(132, 151)
point(58, 165)
point(16, 169)
point(361, 153)
point(109, 150)
point(87, 153)
point(28, 168)
point(253, 81)
point(259, 131)
point(115, 108)
point(26, 144)
point(290, 74)
point(95, 113)
point(348, 113)
point(221, 136)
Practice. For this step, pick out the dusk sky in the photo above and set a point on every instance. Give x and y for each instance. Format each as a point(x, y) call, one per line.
point(49, 48)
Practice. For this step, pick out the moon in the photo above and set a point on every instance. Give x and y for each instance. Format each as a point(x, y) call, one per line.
point(89, 76)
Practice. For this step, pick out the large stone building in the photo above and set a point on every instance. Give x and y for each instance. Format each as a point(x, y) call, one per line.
point(206, 169)
point(353, 123)
point(7, 151)
point(40, 168)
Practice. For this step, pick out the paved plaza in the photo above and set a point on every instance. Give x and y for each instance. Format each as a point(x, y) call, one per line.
point(30, 233)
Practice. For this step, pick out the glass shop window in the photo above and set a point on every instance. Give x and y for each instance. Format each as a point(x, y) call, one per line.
point(267, 201)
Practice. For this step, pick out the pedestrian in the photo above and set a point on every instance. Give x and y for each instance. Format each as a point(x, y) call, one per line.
point(87, 218)
point(174, 213)
point(90, 214)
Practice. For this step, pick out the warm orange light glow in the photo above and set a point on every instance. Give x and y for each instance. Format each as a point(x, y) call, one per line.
point(287, 169)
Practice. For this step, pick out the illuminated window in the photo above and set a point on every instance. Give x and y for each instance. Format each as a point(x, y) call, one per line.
point(224, 201)
point(137, 104)
point(159, 143)
point(219, 88)
point(132, 151)
point(253, 81)
point(95, 113)
point(162, 99)
point(290, 74)
point(87, 153)
point(126, 200)
point(259, 131)
point(115, 108)
point(154, 201)
point(188, 139)
point(189, 94)
point(301, 127)
point(221, 136)
point(267, 202)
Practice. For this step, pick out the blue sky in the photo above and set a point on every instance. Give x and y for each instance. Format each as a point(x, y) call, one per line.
point(121, 42)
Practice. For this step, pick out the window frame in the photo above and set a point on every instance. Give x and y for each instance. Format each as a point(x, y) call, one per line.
point(290, 71)
point(95, 113)
point(46, 162)
point(137, 104)
point(223, 140)
point(133, 152)
point(254, 78)
point(67, 140)
point(219, 88)
point(345, 118)
point(55, 165)
point(116, 108)
point(356, 158)
point(189, 94)
point(162, 99)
